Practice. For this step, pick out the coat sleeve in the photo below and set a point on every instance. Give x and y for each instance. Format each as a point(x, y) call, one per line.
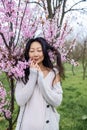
point(24, 92)
point(52, 94)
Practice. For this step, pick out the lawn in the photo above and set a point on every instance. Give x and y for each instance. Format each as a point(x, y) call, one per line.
point(73, 109)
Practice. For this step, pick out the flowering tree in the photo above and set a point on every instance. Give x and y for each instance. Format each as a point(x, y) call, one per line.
point(19, 22)
point(16, 24)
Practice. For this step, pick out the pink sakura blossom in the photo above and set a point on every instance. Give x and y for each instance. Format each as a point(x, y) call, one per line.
point(7, 113)
point(74, 63)
point(63, 57)
point(18, 71)
point(50, 29)
point(57, 37)
point(2, 92)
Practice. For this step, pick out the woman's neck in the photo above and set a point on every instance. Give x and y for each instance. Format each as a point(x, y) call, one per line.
point(42, 67)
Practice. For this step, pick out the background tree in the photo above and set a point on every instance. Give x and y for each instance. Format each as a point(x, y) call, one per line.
point(13, 29)
point(84, 58)
point(78, 54)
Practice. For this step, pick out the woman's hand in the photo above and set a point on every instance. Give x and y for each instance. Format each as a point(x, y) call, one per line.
point(33, 64)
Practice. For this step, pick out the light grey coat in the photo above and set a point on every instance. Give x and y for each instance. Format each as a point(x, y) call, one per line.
point(52, 96)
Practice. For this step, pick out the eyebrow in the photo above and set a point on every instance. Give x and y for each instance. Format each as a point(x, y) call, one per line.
point(37, 48)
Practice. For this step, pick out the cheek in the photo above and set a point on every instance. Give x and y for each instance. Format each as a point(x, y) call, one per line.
point(42, 57)
point(30, 55)
point(41, 54)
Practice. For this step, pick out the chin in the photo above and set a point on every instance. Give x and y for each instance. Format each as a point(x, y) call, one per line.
point(39, 62)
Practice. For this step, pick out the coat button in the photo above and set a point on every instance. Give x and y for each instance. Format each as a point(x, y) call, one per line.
point(47, 105)
point(47, 121)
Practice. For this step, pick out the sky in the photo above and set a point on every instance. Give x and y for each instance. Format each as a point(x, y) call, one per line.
point(78, 21)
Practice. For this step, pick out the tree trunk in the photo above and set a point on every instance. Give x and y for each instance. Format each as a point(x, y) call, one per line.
point(11, 83)
point(84, 60)
point(84, 71)
point(83, 74)
point(49, 9)
point(73, 70)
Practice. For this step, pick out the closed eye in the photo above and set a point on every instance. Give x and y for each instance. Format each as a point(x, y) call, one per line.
point(31, 51)
point(39, 50)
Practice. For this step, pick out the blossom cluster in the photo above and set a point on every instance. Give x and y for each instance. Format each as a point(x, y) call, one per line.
point(18, 70)
point(13, 63)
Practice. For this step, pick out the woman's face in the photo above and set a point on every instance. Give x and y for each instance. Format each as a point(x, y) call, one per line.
point(36, 52)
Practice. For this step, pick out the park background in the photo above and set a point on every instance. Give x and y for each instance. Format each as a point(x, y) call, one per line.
point(63, 24)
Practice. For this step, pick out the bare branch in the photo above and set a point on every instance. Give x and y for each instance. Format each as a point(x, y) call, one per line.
point(53, 6)
point(34, 2)
point(63, 11)
point(3, 3)
point(44, 6)
point(71, 8)
point(49, 9)
point(76, 3)
point(2, 35)
point(83, 9)
point(17, 17)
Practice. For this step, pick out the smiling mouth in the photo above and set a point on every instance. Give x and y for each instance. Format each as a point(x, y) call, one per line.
point(36, 59)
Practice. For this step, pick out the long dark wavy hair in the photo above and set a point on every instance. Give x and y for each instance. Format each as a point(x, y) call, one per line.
point(46, 47)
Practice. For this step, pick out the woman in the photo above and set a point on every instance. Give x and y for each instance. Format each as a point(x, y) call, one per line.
point(40, 90)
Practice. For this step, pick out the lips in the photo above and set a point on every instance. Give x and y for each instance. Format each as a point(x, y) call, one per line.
point(36, 59)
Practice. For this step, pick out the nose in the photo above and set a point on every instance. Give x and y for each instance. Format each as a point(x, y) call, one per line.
point(35, 53)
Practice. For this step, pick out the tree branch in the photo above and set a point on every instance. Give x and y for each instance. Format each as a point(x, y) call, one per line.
point(71, 8)
point(34, 2)
point(3, 3)
point(44, 6)
point(49, 9)
point(76, 10)
point(2, 35)
point(16, 116)
point(63, 11)
point(17, 18)
point(21, 24)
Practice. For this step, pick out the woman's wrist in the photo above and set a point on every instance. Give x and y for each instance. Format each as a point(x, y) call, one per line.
point(33, 70)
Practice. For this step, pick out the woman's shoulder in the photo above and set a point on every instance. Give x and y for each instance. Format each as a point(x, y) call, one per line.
point(55, 70)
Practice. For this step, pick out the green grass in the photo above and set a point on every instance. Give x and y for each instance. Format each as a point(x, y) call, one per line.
point(73, 109)
point(74, 105)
